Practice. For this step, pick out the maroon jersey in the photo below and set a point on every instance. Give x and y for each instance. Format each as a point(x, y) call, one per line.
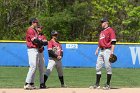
point(31, 34)
point(41, 37)
point(106, 37)
point(55, 46)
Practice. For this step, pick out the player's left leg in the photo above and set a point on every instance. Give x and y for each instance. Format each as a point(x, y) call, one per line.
point(51, 64)
point(60, 73)
point(108, 68)
point(41, 67)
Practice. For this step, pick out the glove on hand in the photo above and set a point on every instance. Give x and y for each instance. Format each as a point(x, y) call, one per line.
point(41, 49)
point(112, 58)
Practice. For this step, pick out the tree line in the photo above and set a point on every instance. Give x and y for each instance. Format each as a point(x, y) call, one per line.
point(75, 20)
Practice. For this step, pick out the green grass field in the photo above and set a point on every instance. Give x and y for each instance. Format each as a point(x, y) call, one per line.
point(14, 77)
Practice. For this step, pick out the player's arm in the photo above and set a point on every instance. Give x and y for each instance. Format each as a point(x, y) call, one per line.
point(61, 51)
point(30, 34)
point(34, 39)
point(61, 54)
point(50, 51)
point(113, 41)
point(45, 42)
point(38, 42)
point(52, 54)
point(96, 52)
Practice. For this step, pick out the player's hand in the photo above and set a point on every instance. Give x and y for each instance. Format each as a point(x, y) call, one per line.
point(96, 52)
point(59, 57)
point(111, 52)
point(41, 49)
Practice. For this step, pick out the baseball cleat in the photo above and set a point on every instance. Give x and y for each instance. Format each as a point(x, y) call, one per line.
point(63, 86)
point(95, 87)
point(106, 87)
point(42, 86)
point(34, 87)
point(29, 87)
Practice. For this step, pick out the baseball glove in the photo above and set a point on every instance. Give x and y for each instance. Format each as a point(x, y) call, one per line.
point(112, 58)
point(40, 50)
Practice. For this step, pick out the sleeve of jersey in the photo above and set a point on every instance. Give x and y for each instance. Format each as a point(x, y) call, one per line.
point(45, 42)
point(31, 34)
point(112, 35)
point(44, 38)
point(50, 51)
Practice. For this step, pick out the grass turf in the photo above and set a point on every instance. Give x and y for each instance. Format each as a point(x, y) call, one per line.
point(14, 77)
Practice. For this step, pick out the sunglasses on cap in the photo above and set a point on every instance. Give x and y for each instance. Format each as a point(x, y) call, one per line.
point(35, 21)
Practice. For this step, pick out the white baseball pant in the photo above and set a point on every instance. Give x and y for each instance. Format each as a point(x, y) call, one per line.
point(35, 59)
point(103, 58)
point(53, 62)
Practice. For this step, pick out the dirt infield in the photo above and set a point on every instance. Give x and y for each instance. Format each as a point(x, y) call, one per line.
point(72, 90)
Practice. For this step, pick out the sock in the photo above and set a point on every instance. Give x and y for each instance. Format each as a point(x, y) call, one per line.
point(108, 78)
point(98, 76)
point(61, 80)
point(45, 78)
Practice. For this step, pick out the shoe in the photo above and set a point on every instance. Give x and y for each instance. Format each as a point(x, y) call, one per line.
point(95, 86)
point(63, 86)
point(106, 87)
point(42, 86)
point(29, 87)
point(34, 87)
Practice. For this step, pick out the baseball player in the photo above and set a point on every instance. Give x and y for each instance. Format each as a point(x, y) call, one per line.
point(41, 65)
point(106, 45)
point(33, 46)
point(55, 55)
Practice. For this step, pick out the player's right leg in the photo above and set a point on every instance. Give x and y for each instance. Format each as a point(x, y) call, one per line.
point(33, 58)
point(99, 66)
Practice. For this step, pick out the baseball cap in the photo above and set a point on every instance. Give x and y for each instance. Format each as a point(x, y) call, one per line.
point(33, 20)
point(104, 20)
point(54, 33)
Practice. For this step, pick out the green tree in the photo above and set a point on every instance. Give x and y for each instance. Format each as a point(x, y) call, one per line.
point(76, 20)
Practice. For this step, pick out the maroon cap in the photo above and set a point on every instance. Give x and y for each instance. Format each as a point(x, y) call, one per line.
point(33, 20)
